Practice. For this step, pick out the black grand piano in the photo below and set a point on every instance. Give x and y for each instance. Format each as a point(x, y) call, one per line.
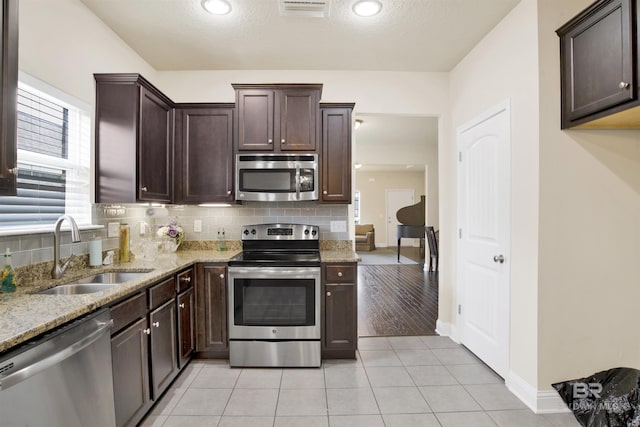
point(412, 226)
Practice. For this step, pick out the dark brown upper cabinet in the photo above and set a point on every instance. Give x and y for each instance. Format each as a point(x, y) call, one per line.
point(335, 161)
point(204, 153)
point(600, 62)
point(8, 97)
point(277, 117)
point(134, 140)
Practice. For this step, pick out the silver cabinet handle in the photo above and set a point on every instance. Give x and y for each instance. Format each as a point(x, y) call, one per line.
point(13, 171)
point(328, 294)
point(283, 141)
point(222, 276)
point(156, 324)
point(624, 85)
point(228, 192)
point(146, 331)
point(270, 141)
point(339, 273)
point(181, 305)
point(143, 188)
point(324, 192)
point(498, 259)
point(186, 279)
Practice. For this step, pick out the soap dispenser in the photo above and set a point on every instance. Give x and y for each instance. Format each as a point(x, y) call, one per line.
point(8, 275)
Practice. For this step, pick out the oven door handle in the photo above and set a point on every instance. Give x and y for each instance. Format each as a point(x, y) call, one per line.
point(280, 272)
point(297, 181)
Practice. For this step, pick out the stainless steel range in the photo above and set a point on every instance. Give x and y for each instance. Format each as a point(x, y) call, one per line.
point(274, 297)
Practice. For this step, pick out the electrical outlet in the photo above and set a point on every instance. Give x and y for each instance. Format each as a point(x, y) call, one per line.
point(143, 228)
point(113, 229)
point(197, 226)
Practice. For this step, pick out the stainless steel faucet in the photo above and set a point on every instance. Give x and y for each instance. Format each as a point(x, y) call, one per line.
point(58, 270)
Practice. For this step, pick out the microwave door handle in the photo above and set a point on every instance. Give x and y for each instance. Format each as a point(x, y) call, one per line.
point(298, 181)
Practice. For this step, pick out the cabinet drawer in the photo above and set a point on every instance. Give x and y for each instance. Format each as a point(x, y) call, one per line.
point(161, 293)
point(185, 280)
point(128, 311)
point(340, 273)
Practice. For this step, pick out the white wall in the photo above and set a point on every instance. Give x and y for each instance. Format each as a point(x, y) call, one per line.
point(589, 231)
point(63, 43)
point(373, 207)
point(503, 66)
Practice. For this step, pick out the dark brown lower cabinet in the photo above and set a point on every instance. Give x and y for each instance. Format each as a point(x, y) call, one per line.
point(164, 352)
point(129, 354)
point(212, 340)
point(340, 322)
point(186, 322)
point(144, 349)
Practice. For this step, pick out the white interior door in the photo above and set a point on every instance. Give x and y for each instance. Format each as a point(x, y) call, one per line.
point(396, 199)
point(484, 185)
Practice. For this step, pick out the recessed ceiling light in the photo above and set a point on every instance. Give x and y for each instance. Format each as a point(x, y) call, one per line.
point(367, 7)
point(217, 7)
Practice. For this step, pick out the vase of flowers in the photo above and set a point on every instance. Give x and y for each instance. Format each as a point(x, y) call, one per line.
point(170, 236)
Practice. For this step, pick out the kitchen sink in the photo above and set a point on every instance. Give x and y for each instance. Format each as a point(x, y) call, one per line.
point(95, 283)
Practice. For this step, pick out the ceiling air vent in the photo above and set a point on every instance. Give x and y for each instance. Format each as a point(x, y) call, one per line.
point(308, 8)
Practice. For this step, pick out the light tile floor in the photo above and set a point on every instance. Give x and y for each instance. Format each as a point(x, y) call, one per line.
point(396, 381)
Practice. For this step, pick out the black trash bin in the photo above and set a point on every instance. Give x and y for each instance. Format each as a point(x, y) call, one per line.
point(605, 399)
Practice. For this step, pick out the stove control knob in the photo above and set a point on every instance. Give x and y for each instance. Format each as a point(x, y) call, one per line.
point(306, 232)
point(246, 232)
point(314, 232)
point(253, 231)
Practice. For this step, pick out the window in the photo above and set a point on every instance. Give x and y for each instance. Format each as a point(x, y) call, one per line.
point(54, 172)
point(356, 206)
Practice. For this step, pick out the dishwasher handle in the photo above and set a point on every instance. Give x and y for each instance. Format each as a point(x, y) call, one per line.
point(52, 360)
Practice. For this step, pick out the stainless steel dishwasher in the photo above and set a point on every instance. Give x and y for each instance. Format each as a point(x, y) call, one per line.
point(61, 380)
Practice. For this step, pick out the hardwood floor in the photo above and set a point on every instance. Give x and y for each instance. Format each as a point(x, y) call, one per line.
point(397, 300)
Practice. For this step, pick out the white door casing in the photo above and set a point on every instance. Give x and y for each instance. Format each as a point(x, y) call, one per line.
point(396, 199)
point(484, 234)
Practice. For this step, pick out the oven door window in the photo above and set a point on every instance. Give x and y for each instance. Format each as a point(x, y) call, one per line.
point(274, 302)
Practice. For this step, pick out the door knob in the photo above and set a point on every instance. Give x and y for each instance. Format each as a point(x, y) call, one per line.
point(181, 305)
point(146, 331)
point(156, 324)
point(498, 259)
point(624, 85)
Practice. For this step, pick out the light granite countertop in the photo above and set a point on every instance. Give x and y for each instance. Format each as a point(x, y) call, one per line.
point(26, 314)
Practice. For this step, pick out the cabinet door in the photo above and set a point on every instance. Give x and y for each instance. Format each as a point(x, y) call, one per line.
point(186, 320)
point(597, 59)
point(130, 362)
point(340, 323)
point(8, 96)
point(204, 160)
point(298, 119)
point(255, 109)
point(336, 155)
point(211, 310)
point(155, 148)
point(164, 363)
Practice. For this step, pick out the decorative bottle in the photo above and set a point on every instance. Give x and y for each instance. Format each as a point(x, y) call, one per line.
point(222, 244)
point(124, 242)
point(8, 275)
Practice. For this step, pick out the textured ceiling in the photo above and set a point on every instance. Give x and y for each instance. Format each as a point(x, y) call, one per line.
point(408, 35)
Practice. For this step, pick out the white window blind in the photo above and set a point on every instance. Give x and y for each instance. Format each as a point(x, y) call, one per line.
point(53, 159)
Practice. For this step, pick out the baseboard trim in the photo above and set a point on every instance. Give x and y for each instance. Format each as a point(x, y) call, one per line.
point(447, 329)
point(539, 401)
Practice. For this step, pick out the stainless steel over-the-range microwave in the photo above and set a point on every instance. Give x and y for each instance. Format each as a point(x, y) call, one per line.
point(276, 177)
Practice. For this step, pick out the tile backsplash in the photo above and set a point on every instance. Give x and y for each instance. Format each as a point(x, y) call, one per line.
point(38, 247)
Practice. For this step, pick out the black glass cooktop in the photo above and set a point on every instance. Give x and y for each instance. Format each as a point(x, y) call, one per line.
point(288, 258)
